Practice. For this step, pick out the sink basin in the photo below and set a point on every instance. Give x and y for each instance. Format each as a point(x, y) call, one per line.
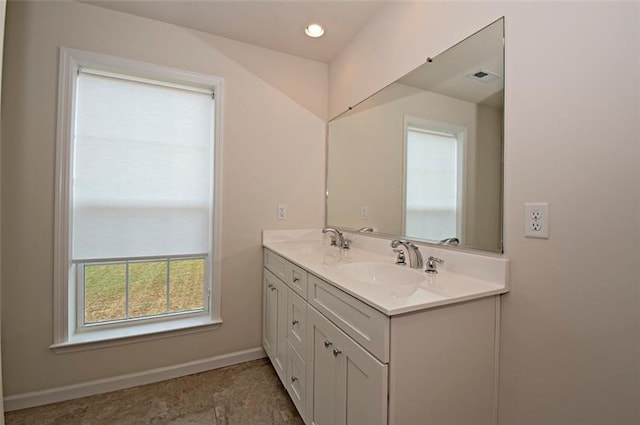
point(381, 273)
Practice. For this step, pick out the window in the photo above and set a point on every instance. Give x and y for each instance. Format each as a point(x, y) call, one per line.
point(434, 179)
point(117, 290)
point(136, 214)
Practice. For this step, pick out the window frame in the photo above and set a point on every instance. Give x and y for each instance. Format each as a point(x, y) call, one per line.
point(460, 133)
point(67, 334)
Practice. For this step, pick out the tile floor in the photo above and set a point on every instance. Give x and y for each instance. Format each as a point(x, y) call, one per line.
point(245, 394)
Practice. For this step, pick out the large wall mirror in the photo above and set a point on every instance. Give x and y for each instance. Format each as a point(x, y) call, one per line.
point(422, 158)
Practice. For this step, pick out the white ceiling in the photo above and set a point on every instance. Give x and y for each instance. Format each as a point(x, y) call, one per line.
point(277, 25)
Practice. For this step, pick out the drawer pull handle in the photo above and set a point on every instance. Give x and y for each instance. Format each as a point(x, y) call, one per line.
point(296, 279)
point(269, 286)
point(337, 351)
point(294, 322)
point(328, 344)
point(293, 379)
point(273, 288)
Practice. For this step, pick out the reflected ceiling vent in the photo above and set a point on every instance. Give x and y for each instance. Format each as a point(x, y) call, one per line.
point(484, 75)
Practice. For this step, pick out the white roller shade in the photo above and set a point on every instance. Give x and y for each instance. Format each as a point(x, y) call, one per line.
point(142, 172)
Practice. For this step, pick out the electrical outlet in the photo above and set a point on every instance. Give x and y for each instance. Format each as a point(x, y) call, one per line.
point(364, 212)
point(282, 212)
point(536, 220)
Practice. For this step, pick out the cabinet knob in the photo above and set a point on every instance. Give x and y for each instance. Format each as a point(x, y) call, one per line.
point(269, 286)
point(294, 322)
point(337, 351)
point(328, 344)
point(295, 279)
point(293, 379)
point(273, 288)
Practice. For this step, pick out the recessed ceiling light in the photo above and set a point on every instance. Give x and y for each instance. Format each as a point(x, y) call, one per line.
point(314, 30)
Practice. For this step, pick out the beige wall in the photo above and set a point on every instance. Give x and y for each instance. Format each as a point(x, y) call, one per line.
point(484, 215)
point(274, 122)
point(570, 325)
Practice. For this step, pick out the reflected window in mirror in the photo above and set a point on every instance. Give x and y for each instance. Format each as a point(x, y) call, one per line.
point(434, 176)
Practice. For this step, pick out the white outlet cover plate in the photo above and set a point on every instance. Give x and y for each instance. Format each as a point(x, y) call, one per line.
point(364, 212)
point(282, 212)
point(536, 220)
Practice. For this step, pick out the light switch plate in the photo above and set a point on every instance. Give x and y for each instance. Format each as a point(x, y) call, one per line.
point(536, 220)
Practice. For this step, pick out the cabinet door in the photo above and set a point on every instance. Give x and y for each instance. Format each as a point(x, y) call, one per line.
point(297, 322)
point(346, 384)
point(269, 314)
point(275, 322)
point(365, 387)
point(296, 379)
point(322, 370)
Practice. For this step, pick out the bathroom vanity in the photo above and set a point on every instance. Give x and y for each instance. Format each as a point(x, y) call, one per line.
point(357, 339)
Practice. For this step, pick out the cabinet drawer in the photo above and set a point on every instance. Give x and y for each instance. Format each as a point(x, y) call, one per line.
point(363, 323)
point(296, 379)
point(295, 277)
point(297, 322)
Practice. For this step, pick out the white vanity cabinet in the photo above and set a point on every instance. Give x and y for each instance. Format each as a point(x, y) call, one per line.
point(344, 362)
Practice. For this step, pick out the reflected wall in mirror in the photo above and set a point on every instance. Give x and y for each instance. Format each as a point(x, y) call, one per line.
point(422, 158)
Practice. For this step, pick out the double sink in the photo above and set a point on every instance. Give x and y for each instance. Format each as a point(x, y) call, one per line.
point(368, 271)
point(382, 274)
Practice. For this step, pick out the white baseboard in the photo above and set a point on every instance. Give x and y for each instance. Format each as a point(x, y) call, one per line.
point(68, 392)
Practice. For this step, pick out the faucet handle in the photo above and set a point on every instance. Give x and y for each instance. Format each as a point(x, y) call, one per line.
point(400, 258)
point(431, 264)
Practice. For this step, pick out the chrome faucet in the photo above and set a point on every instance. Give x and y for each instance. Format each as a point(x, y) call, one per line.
point(413, 252)
point(450, 242)
point(337, 238)
point(365, 229)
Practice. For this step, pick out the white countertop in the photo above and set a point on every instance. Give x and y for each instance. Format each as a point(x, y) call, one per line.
point(486, 275)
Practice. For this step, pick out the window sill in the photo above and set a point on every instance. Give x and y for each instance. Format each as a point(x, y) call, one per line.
point(102, 338)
